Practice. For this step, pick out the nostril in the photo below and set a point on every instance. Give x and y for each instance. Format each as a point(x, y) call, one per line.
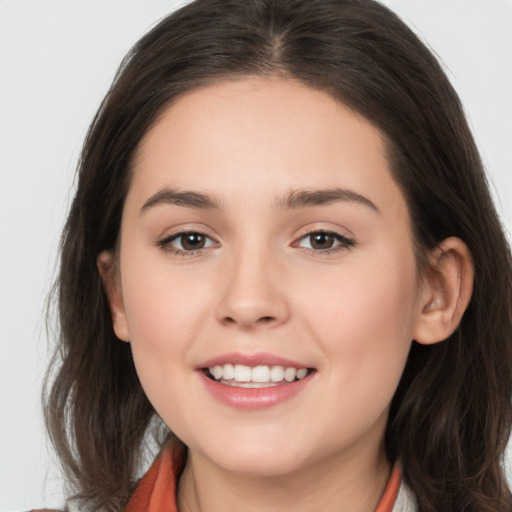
point(249, 325)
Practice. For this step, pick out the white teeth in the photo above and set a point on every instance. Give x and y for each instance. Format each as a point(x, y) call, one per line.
point(245, 376)
point(217, 372)
point(260, 374)
point(228, 371)
point(243, 373)
point(302, 373)
point(250, 384)
point(276, 373)
point(289, 374)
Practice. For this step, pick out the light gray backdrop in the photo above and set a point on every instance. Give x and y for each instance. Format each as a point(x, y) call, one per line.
point(57, 58)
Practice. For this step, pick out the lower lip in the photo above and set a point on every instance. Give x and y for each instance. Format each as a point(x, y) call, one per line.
point(254, 398)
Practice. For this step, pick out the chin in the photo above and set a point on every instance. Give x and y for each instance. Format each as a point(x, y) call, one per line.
point(258, 459)
point(261, 465)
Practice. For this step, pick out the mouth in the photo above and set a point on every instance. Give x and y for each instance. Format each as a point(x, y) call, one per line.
point(255, 381)
point(261, 376)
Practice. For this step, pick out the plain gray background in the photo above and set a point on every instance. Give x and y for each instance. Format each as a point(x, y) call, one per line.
point(57, 59)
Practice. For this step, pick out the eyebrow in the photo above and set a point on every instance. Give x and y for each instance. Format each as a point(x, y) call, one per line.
point(304, 198)
point(198, 200)
point(293, 199)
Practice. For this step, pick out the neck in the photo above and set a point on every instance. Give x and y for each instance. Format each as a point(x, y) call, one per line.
point(352, 484)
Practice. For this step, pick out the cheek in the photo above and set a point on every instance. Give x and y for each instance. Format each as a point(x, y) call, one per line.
point(165, 312)
point(364, 318)
point(164, 317)
point(163, 305)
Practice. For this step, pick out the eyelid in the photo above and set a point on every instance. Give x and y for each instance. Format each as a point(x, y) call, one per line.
point(177, 236)
point(345, 242)
point(165, 243)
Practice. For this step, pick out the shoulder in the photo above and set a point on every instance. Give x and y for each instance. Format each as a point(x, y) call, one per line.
point(405, 500)
point(45, 510)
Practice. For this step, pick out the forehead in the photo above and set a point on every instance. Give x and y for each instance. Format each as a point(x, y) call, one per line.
point(239, 138)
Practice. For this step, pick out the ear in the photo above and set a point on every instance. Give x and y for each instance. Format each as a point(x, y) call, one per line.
point(447, 290)
point(107, 269)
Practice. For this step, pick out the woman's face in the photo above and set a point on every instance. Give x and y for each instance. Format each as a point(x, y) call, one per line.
point(263, 231)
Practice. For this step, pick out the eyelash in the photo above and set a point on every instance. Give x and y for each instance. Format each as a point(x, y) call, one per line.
point(165, 244)
point(344, 243)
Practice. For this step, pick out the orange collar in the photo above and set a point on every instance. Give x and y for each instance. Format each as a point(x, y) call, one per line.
point(387, 502)
point(156, 492)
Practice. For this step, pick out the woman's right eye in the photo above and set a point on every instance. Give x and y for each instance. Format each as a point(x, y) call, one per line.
point(187, 243)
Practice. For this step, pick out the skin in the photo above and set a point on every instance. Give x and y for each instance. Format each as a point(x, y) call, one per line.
point(259, 285)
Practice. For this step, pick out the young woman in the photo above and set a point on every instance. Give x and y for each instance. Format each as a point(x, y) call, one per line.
point(282, 254)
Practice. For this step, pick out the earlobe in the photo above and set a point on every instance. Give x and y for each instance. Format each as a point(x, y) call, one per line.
point(107, 269)
point(446, 293)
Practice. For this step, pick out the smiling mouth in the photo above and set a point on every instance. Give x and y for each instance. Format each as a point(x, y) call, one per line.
point(242, 376)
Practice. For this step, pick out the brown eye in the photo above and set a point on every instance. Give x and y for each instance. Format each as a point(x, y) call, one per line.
point(321, 241)
point(325, 242)
point(192, 241)
point(187, 242)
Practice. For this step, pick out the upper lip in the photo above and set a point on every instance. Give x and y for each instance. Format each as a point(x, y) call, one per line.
point(259, 359)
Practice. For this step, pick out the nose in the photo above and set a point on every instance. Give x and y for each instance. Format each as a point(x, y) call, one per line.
point(253, 292)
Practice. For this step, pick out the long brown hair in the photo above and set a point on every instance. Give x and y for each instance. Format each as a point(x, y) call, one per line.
point(450, 418)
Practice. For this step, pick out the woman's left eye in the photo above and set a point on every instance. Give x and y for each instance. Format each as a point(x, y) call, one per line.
point(188, 242)
point(325, 241)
